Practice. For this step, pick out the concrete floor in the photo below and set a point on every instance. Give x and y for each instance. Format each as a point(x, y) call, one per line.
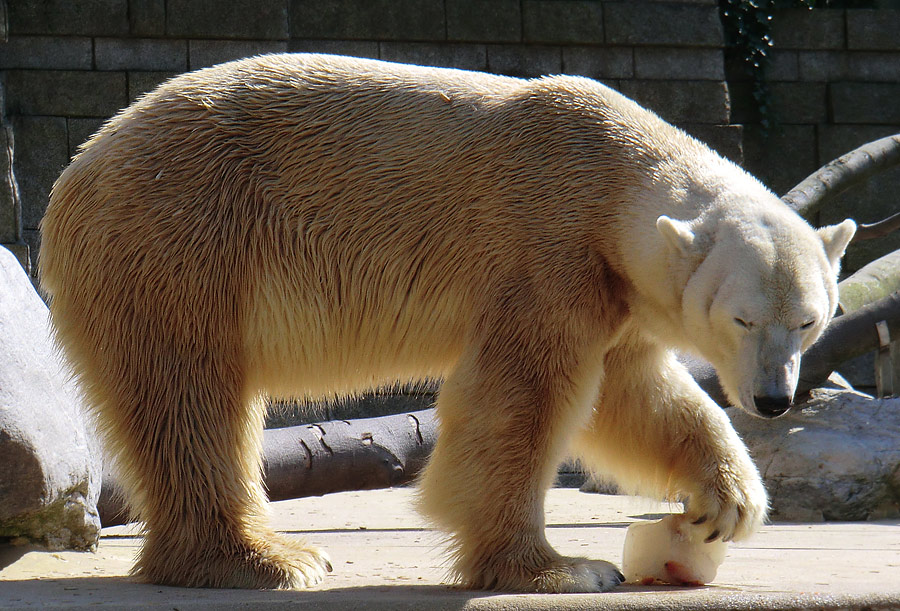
point(385, 557)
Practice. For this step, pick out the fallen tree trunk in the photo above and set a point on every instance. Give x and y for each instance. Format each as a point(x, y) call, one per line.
point(363, 454)
point(317, 459)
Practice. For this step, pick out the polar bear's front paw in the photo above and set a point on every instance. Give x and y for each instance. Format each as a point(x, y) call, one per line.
point(732, 509)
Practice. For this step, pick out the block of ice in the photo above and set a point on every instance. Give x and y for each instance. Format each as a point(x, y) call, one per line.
point(665, 551)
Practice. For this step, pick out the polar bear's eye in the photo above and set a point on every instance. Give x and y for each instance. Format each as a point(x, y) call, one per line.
point(742, 323)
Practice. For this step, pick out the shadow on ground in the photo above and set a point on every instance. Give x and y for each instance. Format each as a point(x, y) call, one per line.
point(124, 593)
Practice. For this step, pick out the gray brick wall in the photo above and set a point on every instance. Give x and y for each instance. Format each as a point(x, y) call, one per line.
point(663, 23)
point(65, 17)
point(68, 66)
point(599, 62)
point(495, 21)
point(41, 52)
point(368, 19)
point(804, 29)
point(203, 53)
point(65, 93)
point(465, 56)
point(147, 17)
point(682, 101)
point(673, 63)
point(874, 29)
point(140, 54)
point(562, 21)
point(242, 19)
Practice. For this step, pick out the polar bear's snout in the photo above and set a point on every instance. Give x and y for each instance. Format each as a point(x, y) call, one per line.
point(777, 369)
point(772, 407)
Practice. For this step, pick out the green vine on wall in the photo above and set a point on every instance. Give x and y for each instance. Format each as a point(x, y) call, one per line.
point(748, 34)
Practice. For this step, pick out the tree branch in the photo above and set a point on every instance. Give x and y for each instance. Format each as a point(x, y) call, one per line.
point(875, 280)
point(842, 173)
point(870, 231)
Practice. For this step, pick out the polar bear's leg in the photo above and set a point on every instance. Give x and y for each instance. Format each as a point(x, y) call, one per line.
point(202, 500)
point(502, 433)
point(656, 433)
point(187, 434)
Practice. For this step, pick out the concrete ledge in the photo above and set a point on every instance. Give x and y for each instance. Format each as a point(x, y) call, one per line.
point(385, 557)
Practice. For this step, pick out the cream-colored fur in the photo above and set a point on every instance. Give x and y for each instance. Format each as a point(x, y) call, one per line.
point(304, 225)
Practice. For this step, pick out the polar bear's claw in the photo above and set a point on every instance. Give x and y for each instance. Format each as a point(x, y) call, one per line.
point(738, 516)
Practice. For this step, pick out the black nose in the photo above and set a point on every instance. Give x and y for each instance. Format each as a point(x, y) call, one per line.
point(772, 407)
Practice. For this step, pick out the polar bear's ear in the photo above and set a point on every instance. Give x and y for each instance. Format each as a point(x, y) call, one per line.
point(835, 239)
point(678, 234)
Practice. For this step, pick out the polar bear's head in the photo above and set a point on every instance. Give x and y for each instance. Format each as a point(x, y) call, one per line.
point(762, 287)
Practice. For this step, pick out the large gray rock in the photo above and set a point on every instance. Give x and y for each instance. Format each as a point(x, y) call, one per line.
point(50, 469)
point(834, 458)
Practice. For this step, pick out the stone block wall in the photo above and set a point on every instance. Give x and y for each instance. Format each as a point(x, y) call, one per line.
point(67, 66)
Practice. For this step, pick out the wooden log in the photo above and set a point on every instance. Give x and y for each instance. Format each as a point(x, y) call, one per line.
point(875, 280)
point(839, 175)
point(316, 459)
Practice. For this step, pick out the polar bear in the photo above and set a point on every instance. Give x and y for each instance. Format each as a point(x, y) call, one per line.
point(312, 226)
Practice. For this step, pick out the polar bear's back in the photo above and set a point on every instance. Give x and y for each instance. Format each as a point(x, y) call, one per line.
point(288, 122)
point(346, 202)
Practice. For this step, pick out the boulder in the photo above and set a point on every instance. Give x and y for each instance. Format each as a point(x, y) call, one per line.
point(836, 457)
point(50, 469)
